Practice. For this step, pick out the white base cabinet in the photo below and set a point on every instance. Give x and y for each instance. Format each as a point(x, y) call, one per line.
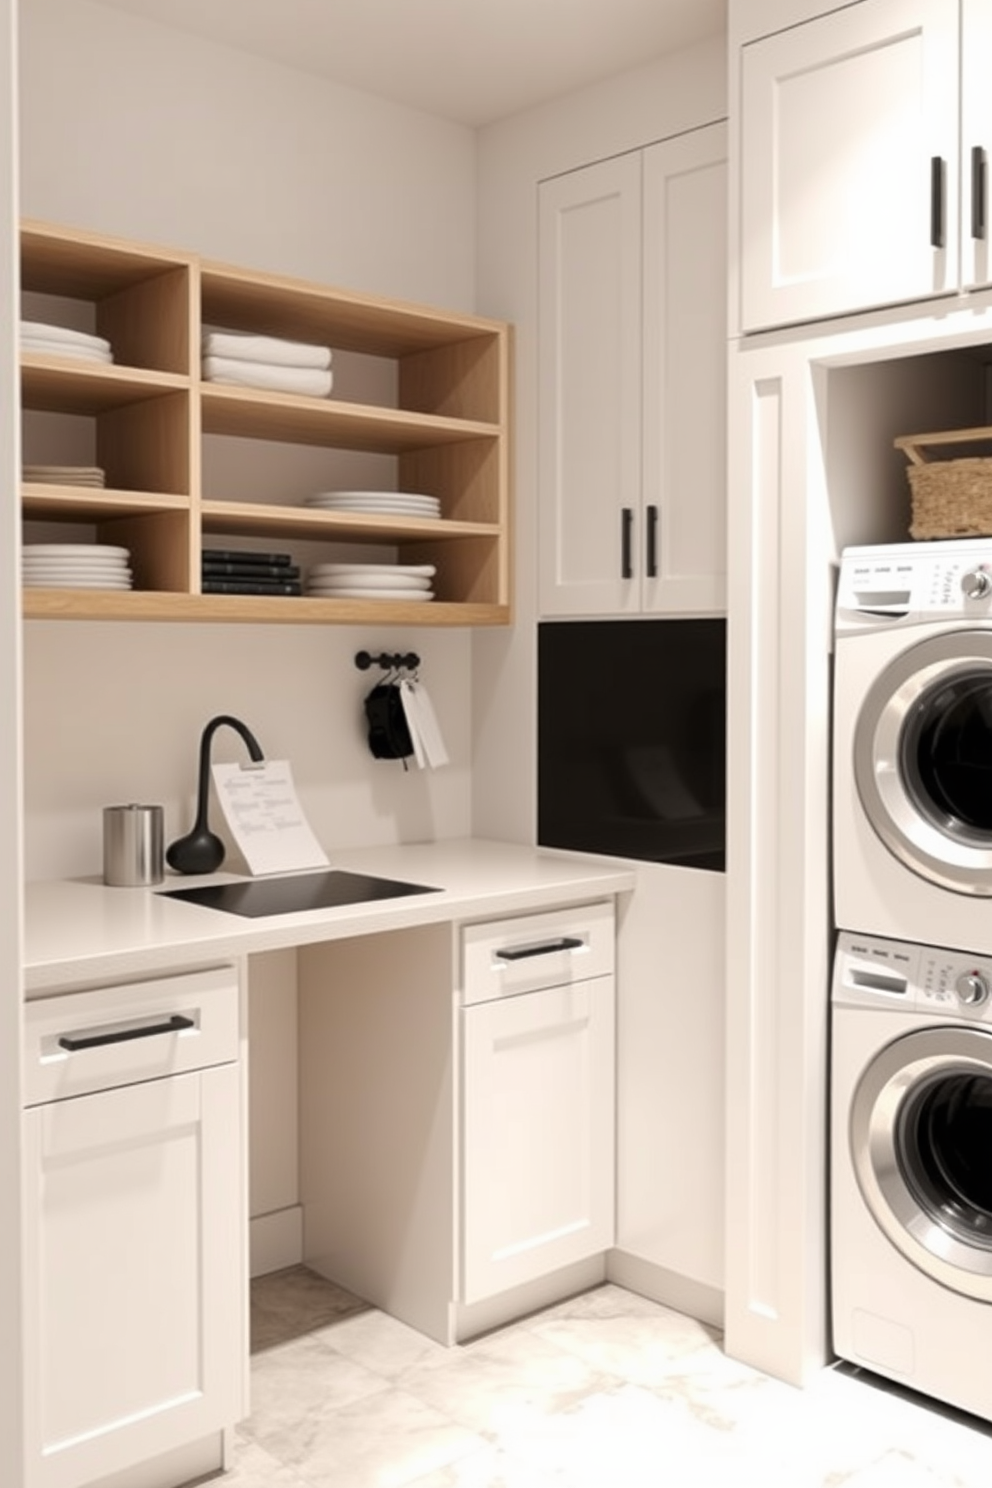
point(537, 1123)
point(452, 1153)
point(134, 1277)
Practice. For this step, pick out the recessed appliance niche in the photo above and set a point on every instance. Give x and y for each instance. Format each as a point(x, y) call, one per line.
point(632, 739)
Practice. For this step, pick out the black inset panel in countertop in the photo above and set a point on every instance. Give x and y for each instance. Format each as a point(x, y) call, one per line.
point(293, 892)
point(632, 739)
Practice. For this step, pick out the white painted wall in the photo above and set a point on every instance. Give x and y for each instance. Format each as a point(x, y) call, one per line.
point(663, 98)
point(185, 143)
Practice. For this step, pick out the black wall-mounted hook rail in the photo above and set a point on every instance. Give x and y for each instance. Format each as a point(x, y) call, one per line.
point(389, 660)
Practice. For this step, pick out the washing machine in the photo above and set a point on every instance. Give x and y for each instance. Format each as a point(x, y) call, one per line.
point(911, 1166)
point(912, 743)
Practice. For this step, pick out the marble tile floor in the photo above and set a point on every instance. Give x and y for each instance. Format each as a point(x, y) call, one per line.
point(607, 1390)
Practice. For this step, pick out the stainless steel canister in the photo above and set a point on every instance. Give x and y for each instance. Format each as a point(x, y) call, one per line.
point(132, 846)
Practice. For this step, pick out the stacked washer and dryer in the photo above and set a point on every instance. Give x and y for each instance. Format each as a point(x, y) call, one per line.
point(911, 1013)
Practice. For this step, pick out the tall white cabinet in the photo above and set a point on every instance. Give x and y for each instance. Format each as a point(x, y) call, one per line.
point(632, 290)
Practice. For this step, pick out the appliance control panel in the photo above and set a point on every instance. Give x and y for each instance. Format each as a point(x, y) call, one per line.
point(917, 580)
point(870, 971)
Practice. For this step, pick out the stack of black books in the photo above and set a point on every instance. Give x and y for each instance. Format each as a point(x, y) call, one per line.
point(227, 572)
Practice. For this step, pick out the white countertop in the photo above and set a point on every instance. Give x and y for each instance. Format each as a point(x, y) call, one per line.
point(79, 932)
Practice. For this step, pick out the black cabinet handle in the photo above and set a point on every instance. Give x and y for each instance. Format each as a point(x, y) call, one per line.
point(652, 543)
point(545, 948)
point(626, 534)
point(936, 201)
point(121, 1035)
point(977, 192)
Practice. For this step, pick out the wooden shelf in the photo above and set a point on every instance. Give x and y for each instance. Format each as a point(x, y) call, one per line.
point(445, 422)
point(259, 415)
point(79, 604)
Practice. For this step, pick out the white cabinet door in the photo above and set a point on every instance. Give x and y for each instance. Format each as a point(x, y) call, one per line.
point(538, 1134)
point(632, 404)
point(685, 373)
point(135, 1336)
point(844, 122)
point(976, 141)
point(590, 389)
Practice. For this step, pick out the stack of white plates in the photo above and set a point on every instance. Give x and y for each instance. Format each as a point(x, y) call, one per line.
point(65, 475)
point(399, 582)
point(378, 503)
point(75, 566)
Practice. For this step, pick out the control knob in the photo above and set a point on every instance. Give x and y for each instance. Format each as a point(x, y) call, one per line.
point(976, 583)
point(972, 988)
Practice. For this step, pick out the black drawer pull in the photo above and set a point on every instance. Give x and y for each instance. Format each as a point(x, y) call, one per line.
point(652, 543)
point(626, 535)
point(936, 201)
point(545, 948)
point(977, 192)
point(148, 1030)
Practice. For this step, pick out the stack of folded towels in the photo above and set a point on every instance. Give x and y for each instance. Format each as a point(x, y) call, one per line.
point(54, 340)
point(267, 362)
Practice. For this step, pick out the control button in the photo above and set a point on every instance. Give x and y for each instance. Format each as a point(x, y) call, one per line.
point(976, 584)
point(972, 988)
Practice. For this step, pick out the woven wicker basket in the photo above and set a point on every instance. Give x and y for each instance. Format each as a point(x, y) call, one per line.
point(950, 498)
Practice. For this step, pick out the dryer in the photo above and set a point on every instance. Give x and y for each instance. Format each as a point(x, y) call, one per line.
point(912, 743)
point(910, 1176)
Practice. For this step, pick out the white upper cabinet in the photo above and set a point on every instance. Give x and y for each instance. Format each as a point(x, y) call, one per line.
point(850, 161)
point(632, 288)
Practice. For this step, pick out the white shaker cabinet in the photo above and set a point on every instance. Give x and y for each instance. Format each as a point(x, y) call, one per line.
point(538, 1087)
point(632, 327)
point(852, 169)
point(135, 1300)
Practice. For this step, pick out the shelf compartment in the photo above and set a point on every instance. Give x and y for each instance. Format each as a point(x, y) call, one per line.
point(276, 305)
point(143, 300)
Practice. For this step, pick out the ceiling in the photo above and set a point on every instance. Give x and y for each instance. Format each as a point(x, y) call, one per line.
point(470, 61)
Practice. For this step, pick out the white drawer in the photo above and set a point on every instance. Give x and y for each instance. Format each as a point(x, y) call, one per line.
point(86, 1041)
point(503, 957)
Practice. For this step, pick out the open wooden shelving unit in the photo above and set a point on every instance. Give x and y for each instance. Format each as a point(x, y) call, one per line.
point(448, 432)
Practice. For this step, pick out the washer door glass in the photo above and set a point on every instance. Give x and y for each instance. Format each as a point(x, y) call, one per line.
point(921, 1134)
point(923, 759)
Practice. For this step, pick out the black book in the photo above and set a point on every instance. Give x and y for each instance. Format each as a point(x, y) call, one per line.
point(250, 586)
point(214, 568)
point(240, 555)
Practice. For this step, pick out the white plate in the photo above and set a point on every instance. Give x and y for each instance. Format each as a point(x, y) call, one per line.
point(72, 550)
point(405, 501)
point(406, 596)
point(418, 570)
point(32, 582)
point(372, 496)
point(370, 581)
point(64, 575)
point(374, 509)
point(95, 570)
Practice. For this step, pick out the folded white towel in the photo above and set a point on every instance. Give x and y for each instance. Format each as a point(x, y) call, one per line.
point(269, 349)
point(66, 349)
point(38, 330)
point(304, 380)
